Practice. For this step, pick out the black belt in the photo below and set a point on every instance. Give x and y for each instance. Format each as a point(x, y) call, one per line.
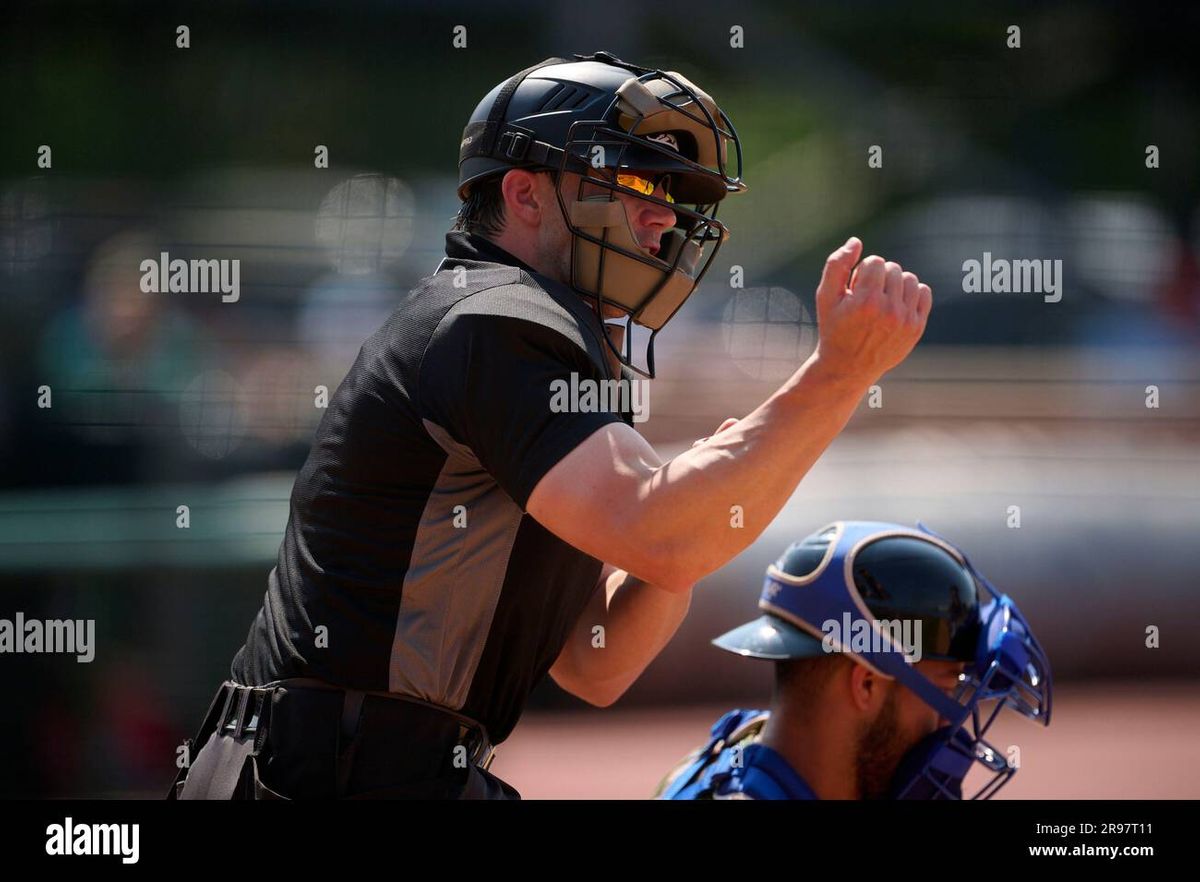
point(384, 734)
point(471, 734)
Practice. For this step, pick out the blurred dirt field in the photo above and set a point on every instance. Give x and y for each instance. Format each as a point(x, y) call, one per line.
point(1107, 740)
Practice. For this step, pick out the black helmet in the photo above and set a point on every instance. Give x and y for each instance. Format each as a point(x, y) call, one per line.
point(598, 116)
point(897, 573)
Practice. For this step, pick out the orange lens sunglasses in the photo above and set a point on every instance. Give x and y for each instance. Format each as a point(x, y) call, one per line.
point(642, 185)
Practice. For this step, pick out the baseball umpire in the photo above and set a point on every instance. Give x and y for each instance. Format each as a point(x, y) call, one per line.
point(453, 536)
point(893, 657)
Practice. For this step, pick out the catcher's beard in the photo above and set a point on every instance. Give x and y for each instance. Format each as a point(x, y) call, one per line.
point(880, 750)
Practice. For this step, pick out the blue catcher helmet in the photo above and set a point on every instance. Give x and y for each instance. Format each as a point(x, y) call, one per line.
point(845, 587)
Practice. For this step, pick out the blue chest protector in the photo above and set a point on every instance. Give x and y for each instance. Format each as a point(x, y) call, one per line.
point(733, 765)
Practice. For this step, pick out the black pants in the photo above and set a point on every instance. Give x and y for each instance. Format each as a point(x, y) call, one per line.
point(291, 742)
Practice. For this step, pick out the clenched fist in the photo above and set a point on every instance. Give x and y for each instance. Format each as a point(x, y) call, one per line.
point(869, 317)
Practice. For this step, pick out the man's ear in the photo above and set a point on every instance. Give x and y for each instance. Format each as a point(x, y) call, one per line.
point(524, 197)
point(867, 688)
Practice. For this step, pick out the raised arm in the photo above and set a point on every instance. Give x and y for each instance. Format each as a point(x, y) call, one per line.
point(669, 523)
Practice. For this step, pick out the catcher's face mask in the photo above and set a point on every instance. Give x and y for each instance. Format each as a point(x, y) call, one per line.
point(1010, 670)
point(660, 135)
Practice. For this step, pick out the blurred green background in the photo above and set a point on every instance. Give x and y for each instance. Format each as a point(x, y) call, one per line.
point(1037, 152)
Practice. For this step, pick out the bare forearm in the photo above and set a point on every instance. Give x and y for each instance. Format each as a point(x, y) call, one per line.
point(625, 626)
point(639, 620)
point(687, 509)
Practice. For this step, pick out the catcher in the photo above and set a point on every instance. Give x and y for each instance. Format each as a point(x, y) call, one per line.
point(859, 711)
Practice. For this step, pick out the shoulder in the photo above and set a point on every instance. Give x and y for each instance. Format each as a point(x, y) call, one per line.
point(703, 772)
point(764, 774)
point(522, 305)
point(516, 322)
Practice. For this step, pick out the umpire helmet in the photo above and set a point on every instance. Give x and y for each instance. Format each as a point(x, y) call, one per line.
point(603, 118)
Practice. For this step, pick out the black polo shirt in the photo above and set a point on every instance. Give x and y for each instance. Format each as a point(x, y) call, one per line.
point(408, 564)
